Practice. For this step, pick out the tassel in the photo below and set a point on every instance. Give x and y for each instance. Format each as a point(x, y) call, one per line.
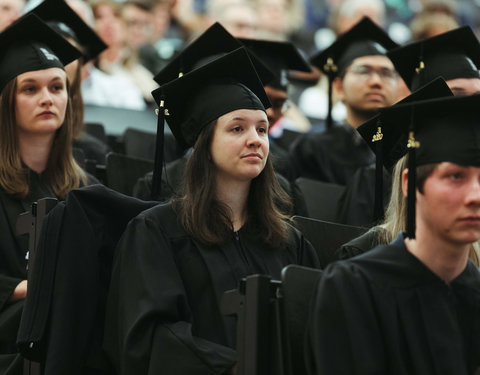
point(158, 165)
point(412, 145)
point(378, 210)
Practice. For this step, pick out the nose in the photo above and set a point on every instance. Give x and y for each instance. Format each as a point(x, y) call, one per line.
point(46, 97)
point(374, 78)
point(473, 195)
point(253, 138)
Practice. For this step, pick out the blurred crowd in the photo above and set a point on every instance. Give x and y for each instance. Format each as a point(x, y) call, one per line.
point(143, 35)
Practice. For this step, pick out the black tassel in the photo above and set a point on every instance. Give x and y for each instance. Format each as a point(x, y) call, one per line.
point(378, 210)
point(158, 165)
point(412, 145)
point(329, 121)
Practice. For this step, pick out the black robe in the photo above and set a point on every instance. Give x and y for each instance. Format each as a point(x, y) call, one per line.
point(164, 300)
point(360, 244)
point(332, 156)
point(385, 312)
point(13, 268)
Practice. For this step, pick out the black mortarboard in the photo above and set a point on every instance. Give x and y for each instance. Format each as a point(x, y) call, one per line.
point(363, 39)
point(67, 23)
point(389, 142)
point(438, 130)
point(454, 54)
point(193, 101)
point(279, 57)
point(28, 45)
point(214, 42)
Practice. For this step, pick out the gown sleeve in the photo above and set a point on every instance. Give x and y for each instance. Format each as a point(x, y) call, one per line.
point(149, 321)
point(344, 336)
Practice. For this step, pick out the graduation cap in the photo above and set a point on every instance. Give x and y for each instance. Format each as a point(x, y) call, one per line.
point(67, 23)
point(363, 39)
point(28, 45)
point(278, 57)
point(438, 130)
point(191, 102)
point(216, 41)
point(389, 142)
point(454, 54)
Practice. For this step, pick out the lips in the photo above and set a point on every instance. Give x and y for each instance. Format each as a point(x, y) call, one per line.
point(252, 155)
point(46, 113)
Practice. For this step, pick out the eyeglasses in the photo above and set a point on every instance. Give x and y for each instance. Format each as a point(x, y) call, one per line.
point(366, 72)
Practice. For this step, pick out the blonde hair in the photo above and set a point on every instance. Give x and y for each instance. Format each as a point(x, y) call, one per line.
point(62, 172)
point(396, 213)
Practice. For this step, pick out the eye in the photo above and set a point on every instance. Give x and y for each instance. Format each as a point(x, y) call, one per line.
point(237, 129)
point(57, 87)
point(262, 129)
point(455, 176)
point(28, 89)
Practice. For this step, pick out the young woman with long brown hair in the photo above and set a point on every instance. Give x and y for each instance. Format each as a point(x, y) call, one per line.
point(176, 260)
point(36, 159)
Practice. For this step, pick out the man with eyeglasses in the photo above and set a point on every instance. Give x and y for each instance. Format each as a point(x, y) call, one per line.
point(364, 80)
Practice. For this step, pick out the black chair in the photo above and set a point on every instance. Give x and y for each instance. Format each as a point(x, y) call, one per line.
point(122, 172)
point(298, 286)
point(139, 143)
point(326, 237)
point(97, 130)
point(322, 198)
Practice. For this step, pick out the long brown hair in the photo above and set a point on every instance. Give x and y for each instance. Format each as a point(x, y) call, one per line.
point(396, 213)
point(62, 172)
point(208, 220)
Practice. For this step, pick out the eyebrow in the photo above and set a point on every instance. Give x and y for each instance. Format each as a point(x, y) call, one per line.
point(32, 80)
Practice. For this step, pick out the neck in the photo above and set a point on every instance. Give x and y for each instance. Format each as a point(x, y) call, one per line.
point(34, 150)
point(234, 195)
point(110, 54)
point(445, 259)
point(355, 118)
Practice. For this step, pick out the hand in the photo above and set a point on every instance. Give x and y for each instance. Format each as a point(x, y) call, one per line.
point(20, 291)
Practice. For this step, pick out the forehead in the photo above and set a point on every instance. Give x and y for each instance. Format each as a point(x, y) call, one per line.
point(375, 61)
point(464, 86)
point(42, 75)
point(254, 115)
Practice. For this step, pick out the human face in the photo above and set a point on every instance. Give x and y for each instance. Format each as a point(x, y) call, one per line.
point(278, 98)
point(138, 26)
point(449, 207)
point(370, 83)
point(239, 147)
point(10, 10)
point(109, 26)
point(240, 21)
point(41, 101)
point(464, 86)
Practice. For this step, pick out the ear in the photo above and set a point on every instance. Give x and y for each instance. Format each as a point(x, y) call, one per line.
point(338, 87)
point(405, 182)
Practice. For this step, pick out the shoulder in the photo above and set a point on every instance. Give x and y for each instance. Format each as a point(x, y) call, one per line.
point(161, 217)
point(361, 244)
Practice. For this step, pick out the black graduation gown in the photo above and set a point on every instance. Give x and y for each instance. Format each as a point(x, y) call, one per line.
point(360, 244)
point(385, 312)
point(356, 206)
point(332, 156)
point(165, 291)
point(92, 147)
point(13, 268)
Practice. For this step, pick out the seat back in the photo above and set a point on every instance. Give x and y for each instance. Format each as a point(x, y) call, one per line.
point(298, 286)
point(97, 130)
point(326, 237)
point(122, 172)
point(322, 198)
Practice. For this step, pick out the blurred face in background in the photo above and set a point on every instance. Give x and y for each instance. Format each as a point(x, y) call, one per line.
point(138, 25)
point(10, 10)
point(109, 25)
